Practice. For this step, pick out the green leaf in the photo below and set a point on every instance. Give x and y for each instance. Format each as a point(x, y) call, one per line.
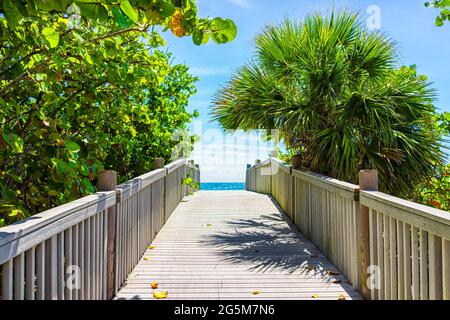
point(87, 185)
point(51, 36)
point(84, 169)
point(165, 8)
point(11, 12)
point(60, 166)
point(72, 146)
point(95, 11)
point(439, 22)
point(129, 10)
point(200, 37)
point(121, 18)
point(223, 30)
point(14, 141)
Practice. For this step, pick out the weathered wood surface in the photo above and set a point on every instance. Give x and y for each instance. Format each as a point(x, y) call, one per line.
point(229, 245)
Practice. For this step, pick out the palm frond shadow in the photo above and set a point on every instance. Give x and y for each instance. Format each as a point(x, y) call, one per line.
point(268, 243)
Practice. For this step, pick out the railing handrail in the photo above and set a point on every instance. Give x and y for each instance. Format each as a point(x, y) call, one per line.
point(408, 243)
point(71, 213)
point(404, 209)
point(38, 221)
point(23, 235)
point(127, 189)
point(175, 165)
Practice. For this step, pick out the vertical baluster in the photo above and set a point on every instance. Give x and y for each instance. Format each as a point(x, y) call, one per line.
point(407, 279)
point(380, 256)
point(400, 262)
point(435, 252)
point(19, 277)
point(40, 271)
point(100, 254)
point(105, 256)
point(373, 249)
point(446, 268)
point(87, 259)
point(81, 258)
point(51, 269)
point(415, 264)
point(68, 260)
point(387, 261)
point(393, 258)
point(97, 257)
point(75, 260)
point(93, 273)
point(60, 266)
point(423, 265)
point(7, 280)
point(30, 274)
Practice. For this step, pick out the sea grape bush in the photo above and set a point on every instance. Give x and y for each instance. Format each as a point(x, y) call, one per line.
point(94, 91)
point(180, 16)
point(444, 6)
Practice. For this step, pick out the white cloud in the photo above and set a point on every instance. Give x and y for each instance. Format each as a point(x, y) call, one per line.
point(241, 3)
point(223, 157)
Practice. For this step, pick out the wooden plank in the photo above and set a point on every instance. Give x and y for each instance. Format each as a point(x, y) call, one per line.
point(227, 245)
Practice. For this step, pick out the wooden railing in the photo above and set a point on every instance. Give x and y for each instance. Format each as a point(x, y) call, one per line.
point(65, 252)
point(409, 245)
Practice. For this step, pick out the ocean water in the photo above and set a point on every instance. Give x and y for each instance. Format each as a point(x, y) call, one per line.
point(222, 186)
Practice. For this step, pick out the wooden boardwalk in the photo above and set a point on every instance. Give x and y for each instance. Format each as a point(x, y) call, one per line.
point(233, 245)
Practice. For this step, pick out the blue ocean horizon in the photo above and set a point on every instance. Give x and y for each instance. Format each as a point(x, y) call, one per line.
point(217, 186)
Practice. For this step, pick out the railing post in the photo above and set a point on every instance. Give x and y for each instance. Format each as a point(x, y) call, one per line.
point(368, 180)
point(107, 181)
point(296, 162)
point(158, 163)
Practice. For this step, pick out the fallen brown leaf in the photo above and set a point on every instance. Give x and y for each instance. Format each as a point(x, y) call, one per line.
point(160, 295)
point(154, 285)
point(333, 272)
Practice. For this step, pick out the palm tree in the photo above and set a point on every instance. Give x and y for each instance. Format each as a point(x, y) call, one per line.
point(333, 90)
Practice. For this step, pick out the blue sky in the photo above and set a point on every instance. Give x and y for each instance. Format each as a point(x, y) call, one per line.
point(223, 157)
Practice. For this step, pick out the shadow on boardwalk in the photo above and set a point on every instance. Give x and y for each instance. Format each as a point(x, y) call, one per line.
point(269, 242)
